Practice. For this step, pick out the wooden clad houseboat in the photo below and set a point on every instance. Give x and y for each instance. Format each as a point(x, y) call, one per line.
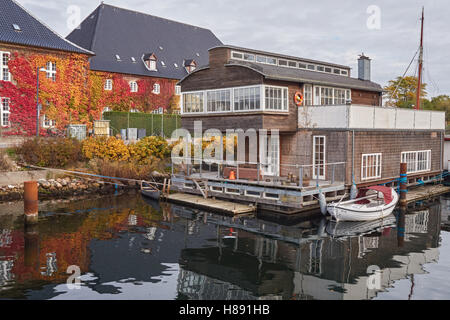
point(333, 130)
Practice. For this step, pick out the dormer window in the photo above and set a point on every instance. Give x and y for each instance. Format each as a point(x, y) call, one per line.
point(190, 65)
point(150, 61)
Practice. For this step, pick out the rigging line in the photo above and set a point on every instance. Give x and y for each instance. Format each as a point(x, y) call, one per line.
point(398, 85)
point(433, 83)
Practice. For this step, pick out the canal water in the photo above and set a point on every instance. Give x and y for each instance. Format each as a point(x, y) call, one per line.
point(125, 247)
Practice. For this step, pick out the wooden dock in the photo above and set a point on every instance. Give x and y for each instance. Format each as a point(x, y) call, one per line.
point(210, 203)
point(426, 192)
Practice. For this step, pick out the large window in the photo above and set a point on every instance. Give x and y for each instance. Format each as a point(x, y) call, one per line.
point(417, 161)
point(193, 102)
point(51, 70)
point(4, 110)
point(371, 166)
point(219, 100)
point(276, 98)
point(4, 69)
point(307, 95)
point(252, 98)
point(247, 99)
point(330, 96)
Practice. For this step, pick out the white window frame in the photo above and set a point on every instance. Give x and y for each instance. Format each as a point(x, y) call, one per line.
point(296, 63)
point(322, 167)
point(411, 158)
point(133, 86)
point(48, 123)
point(50, 70)
point(5, 112)
point(310, 93)
point(317, 98)
point(4, 68)
point(156, 88)
point(262, 100)
point(178, 90)
point(378, 166)
point(108, 85)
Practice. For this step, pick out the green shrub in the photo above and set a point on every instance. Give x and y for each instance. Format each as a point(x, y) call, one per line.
point(50, 152)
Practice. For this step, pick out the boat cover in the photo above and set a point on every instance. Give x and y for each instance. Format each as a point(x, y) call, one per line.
point(386, 191)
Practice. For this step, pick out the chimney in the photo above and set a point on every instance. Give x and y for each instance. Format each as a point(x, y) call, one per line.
point(363, 67)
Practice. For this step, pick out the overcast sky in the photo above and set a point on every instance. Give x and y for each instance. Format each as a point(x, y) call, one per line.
point(330, 30)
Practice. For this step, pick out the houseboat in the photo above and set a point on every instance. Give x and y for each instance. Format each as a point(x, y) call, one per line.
point(331, 130)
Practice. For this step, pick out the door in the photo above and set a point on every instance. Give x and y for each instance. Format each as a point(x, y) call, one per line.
point(271, 165)
point(319, 157)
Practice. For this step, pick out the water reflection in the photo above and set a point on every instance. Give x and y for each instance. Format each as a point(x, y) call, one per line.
point(130, 248)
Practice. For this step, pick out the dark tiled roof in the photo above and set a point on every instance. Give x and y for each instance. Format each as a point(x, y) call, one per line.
point(33, 32)
point(109, 30)
point(299, 75)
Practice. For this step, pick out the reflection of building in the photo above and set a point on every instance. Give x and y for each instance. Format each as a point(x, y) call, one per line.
point(210, 256)
point(312, 268)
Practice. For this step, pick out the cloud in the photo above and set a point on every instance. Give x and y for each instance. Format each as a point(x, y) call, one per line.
point(329, 30)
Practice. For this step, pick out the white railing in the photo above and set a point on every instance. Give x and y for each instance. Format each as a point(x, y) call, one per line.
point(369, 117)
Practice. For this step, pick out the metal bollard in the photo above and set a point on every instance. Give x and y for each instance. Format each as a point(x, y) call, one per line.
point(31, 202)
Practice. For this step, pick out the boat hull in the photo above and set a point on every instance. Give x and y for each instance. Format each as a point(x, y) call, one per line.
point(152, 194)
point(347, 213)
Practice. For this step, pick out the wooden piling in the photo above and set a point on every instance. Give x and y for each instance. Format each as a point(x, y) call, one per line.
point(31, 201)
point(403, 183)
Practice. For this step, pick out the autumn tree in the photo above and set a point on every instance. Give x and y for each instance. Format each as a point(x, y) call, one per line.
point(403, 92)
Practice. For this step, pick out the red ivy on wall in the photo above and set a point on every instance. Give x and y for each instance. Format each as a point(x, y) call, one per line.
point(76, 96)
point(120, 98)
point(64, 100)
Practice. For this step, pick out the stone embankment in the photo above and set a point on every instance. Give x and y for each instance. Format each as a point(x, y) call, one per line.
point(63, 187)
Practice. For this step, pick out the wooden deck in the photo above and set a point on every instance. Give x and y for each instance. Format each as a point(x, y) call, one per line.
point(210, 204)
point(426, 192)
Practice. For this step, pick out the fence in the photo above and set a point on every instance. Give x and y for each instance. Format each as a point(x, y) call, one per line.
point(154, 124)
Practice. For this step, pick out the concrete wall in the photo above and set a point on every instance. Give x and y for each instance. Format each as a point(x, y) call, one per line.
point(366, 117)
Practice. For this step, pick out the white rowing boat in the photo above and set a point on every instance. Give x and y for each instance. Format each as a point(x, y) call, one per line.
point(372, 203)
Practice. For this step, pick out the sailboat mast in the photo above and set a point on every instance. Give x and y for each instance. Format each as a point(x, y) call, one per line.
point(419, 82)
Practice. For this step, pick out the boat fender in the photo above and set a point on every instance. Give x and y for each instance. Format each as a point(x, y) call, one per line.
point(322, 203)
point(353, 192)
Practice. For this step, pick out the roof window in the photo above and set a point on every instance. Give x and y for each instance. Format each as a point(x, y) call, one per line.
point(16, 27)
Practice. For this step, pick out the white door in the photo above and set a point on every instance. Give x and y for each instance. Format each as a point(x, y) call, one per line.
point(319, 157)
point(271, 165)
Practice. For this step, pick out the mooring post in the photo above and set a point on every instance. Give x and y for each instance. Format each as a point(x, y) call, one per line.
point(31, 201)
point(401, 221)
point(403, 183)
point(300, 177)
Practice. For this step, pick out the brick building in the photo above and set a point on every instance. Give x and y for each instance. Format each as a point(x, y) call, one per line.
point(144, 54)
point(337, 130)
point(28, 45)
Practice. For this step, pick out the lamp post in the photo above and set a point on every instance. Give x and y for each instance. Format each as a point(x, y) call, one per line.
point(37, 100)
